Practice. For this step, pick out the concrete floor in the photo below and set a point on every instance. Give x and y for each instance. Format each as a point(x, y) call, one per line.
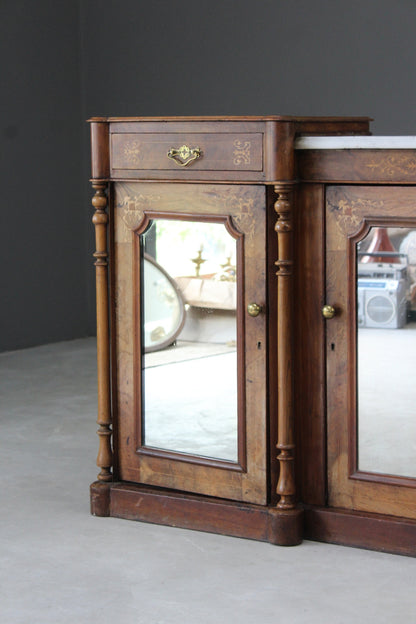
point(197, 411)
point(58, 564)
point(386, 400)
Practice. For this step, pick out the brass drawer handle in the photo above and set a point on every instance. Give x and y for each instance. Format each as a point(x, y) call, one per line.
point(184, 155)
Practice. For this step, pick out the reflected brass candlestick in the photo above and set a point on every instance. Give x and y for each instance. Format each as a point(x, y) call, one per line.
point(198, 261)
point(229, 271)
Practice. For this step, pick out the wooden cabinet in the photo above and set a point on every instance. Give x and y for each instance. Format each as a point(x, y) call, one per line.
point(256, 327)
point(227, 402)
point(356, 412)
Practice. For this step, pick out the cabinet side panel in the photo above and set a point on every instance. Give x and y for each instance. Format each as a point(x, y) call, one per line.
point(309, 344)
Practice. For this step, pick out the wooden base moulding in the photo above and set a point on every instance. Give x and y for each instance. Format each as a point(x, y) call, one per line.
point(266, 524)
point(199, 513)
point(361, 530)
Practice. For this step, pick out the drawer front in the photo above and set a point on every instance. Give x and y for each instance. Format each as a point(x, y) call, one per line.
point(217, 152)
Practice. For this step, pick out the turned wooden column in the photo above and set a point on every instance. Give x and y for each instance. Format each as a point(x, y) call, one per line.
point(286, 518)
point(100, 220)
point(285, 444)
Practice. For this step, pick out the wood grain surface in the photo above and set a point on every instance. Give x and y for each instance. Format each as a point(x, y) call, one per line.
point(246, 207)
point(349, 213)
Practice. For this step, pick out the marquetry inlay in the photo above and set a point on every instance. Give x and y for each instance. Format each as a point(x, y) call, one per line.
point(132, 152)
point(241, 152)
point(243, 215)
point(350, 211)
point(393, 165)
point(132, 212)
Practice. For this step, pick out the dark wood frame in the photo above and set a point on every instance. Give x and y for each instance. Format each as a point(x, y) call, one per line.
point(226, 221)
point(354, 471)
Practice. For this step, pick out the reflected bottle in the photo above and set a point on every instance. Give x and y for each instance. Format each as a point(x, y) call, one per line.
point(381, 243)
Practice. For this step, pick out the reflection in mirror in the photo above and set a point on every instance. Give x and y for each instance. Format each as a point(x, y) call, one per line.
point(189, 364)
point(386, 351)
point(164, 312)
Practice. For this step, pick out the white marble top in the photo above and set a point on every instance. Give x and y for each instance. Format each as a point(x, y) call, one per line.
point(355, 142)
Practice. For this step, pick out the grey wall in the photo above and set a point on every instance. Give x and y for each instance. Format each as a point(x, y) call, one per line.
point(301, 57)
point(64, 61)
point(43, 235)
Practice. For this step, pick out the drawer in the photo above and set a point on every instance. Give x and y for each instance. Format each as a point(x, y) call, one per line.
point(189, 152)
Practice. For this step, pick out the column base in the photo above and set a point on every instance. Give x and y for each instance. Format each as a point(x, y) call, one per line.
point(100, 496)
point(286, 526)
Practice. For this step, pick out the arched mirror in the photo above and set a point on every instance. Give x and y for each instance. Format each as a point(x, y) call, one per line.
point(386, 351)
point(189, 364)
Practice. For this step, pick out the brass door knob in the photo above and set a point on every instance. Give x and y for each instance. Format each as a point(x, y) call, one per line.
point(328, 312)
point(254, 309)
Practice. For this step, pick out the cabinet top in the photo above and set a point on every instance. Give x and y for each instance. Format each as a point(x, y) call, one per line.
point(356, 159)
point(355, 142)
point(287, 118)
point(242, 118)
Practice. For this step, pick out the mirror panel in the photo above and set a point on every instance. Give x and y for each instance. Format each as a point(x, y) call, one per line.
point(386, 351)
point(189, 358)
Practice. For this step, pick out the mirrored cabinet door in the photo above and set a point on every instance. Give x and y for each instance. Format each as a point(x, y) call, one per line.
point(371, 349)
point(190, 317)
point(188, 304)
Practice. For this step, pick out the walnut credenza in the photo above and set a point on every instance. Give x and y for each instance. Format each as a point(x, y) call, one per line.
point(212, 348)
